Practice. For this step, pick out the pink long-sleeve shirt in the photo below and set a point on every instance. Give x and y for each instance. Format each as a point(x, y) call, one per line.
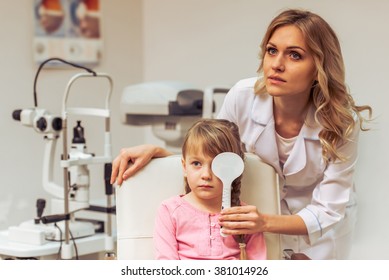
point(185, 232)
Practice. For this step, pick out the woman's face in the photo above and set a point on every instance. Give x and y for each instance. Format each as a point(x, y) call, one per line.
point(288, 66)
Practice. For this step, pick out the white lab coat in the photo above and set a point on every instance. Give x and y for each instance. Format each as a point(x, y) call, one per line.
point(323, 195)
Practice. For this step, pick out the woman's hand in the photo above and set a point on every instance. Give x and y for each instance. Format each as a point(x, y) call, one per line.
point(131, 160)
point(242, 220)
point(247, 220)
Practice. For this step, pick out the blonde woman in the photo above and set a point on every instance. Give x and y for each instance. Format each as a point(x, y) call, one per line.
point(187, 225)
point(299, 117)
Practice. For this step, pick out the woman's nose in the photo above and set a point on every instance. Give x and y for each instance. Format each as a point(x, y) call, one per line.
point(278, 63)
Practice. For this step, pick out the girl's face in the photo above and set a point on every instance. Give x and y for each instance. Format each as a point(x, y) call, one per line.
point(288, 66)
point(204, 185)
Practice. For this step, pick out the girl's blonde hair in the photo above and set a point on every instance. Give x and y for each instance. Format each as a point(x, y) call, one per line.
point(335, 109)
point(212, 137)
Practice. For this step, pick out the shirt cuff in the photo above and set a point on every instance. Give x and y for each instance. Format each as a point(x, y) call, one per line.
point(312, 223)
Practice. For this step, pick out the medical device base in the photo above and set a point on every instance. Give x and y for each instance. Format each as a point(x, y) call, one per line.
point(38, 234)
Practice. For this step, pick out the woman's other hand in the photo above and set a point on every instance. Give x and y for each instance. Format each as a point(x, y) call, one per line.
point(131, 160)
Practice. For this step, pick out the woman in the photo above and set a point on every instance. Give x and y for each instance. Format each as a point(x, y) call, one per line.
point(298, 117)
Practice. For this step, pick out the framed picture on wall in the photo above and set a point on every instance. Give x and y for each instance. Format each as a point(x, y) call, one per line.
point(67, 29)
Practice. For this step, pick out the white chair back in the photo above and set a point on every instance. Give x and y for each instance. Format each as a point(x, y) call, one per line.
point(138, 198)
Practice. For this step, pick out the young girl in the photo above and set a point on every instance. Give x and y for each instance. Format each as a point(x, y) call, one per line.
point(187, 225)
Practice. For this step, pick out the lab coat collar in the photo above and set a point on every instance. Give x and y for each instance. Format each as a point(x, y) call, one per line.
point(311, 128)
point(266, 145)
point(262, 113)
point(262, 109)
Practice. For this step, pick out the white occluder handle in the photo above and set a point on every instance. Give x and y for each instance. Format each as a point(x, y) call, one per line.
point(227, 167)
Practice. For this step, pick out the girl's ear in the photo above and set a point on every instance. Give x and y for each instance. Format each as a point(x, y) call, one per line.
point(183, 166)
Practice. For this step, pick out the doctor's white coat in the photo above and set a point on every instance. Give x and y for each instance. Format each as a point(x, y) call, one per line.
point(322, 194)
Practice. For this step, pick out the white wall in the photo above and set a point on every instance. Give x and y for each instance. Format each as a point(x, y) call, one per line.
point(21, 149)
point(216, 42)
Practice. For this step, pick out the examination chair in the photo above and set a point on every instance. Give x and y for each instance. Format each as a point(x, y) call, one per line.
point(138, 198)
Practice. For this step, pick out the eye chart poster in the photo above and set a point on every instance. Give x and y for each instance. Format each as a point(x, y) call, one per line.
point(67, 29)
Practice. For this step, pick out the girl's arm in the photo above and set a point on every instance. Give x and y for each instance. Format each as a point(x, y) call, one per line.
point(165, 242)
point(256, 247)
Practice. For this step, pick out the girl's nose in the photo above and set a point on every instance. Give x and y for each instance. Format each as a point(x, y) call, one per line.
point(207, 173)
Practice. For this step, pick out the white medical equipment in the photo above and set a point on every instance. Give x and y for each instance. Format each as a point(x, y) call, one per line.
point(73, 195)
point(170, 107)
point(139, 196)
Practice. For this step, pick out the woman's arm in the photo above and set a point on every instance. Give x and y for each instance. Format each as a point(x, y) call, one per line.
point(131, 160)
point(328, 205)
point(334, 194)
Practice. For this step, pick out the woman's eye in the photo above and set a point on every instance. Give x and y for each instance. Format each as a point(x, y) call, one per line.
point(271, 50)
point(295, 55)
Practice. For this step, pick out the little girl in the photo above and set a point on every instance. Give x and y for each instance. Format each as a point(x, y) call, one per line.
point(187, 225)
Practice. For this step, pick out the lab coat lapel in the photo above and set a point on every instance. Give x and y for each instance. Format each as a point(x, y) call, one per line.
point(298, 158)
point(265, 141)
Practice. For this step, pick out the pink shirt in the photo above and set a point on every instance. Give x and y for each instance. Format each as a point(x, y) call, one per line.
point(184, 232)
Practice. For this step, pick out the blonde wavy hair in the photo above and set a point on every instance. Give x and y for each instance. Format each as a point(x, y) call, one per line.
point(335, 108)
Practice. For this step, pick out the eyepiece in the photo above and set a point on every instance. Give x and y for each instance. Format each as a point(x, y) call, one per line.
point(57, 124)
point(16, 114)
point(41, 124)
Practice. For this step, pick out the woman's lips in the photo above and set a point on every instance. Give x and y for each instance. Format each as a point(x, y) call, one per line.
point(276, 79)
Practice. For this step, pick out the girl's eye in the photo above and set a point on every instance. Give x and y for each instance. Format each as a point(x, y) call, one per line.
point(271, 50)
point(295, 55)
point(196, 163)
